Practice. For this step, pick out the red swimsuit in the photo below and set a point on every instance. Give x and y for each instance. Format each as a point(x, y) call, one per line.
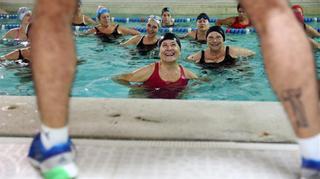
point(158, 88)
point(236, 24)
point(155, 80)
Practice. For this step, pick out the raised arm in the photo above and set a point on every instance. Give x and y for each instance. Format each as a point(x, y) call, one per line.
point(89, 20)
point(127, 31)
point(14, 55)
point(241, 52)
point(132, 41)
point(227, 21)
point(10, 34)
point(195, 57)
point(140, 75)
point(189, 34)
point(88, 32)
point(311, 32)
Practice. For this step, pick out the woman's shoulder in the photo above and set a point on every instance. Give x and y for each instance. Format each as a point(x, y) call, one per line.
point(196, 56)
point(188, 73)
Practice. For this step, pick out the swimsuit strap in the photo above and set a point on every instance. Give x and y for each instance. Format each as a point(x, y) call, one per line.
point(202, 59)
point(141, 42)
point(20, 55)
point(97, 30)
point(196, 38)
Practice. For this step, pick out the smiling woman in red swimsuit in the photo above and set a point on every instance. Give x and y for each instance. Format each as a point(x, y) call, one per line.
point(165, 75)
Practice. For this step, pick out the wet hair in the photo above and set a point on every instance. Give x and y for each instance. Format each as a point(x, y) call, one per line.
point(169, 36)
point(203, 16)
point(166, 9)
point(216, 29)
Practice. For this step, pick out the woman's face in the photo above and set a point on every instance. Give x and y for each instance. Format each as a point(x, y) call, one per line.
point(105, 19)
point(27, 18)
point(215, 41)
point(242, 13)
point(169, 51)
point(166, 17)
point(203, 24)
point(152, 27)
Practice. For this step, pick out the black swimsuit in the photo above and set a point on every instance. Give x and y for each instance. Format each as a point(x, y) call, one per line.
point(21, 60)
point(82, 24)
point(167, 26)
point(200, 41)
point(108, 37)
point(227, 61)
point(146, 47)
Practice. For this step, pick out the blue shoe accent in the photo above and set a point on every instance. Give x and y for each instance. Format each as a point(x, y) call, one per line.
point(39, 153)
point(311, 164)
point(57, 162)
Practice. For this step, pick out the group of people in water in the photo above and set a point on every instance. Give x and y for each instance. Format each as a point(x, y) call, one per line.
point(167, 72)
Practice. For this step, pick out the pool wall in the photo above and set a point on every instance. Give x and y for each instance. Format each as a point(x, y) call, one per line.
point(180, 7)
point(153, 119)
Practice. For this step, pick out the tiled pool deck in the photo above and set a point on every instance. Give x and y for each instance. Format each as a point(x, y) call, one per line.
point(173, 139)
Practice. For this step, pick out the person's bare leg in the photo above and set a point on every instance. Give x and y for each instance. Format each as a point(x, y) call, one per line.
point(290, 67)
point(53, 66)
point(54, 59)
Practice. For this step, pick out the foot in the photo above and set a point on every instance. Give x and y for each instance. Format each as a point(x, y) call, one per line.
point(54, 163)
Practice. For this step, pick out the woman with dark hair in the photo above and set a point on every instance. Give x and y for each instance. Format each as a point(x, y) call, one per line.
point(166, 18)
point(217, 54)
point(238, 22)
point(203, 25)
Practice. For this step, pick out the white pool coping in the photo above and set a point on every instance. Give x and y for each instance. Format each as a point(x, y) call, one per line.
point(156, 119)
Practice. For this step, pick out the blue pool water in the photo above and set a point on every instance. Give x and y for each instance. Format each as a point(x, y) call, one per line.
point(99, 62)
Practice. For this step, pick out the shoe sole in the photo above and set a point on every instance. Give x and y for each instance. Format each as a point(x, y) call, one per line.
point(61, 166)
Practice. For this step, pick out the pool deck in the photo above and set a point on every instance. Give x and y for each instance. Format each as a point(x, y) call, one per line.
point(114, 159)
point(144, 138)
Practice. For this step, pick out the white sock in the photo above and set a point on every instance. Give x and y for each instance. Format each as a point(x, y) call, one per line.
point(310, 147)
point(53, 136)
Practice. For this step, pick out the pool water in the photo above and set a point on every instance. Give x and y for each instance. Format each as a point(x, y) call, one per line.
point(99, 62)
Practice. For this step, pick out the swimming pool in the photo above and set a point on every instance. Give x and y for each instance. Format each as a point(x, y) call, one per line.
point(99, 62)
